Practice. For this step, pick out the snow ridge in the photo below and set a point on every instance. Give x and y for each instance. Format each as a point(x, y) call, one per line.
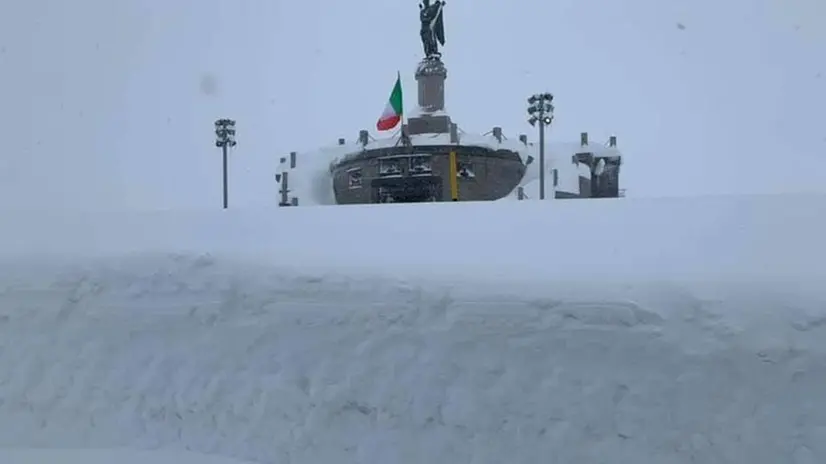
point(198, 352)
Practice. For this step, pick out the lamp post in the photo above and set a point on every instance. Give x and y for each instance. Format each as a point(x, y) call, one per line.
point(541, 110)
point(225, 139)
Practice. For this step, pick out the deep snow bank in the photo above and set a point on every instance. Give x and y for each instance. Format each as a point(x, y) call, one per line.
point(689, 330)
point(247, 361)
point(706, 237)
point(74, 456)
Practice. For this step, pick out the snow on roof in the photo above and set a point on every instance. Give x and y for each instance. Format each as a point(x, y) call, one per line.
point(310, 179)
point(485, 141)
point(583, 170)
point(559, 156)
point(568, 149)
point(419, 111)
point(568, 182)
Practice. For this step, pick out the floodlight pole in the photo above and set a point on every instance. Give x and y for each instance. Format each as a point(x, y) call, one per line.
point(226, 188)
point(541, 110)
point(224, 139)
point(541, 158)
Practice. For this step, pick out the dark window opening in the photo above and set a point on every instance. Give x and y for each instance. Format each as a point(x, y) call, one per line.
point(417, 193)
point(390, 167)
point(420, 165)
point(354, 179)
point(464, 170)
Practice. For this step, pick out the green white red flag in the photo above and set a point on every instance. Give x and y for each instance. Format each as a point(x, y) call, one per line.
point(392, 114)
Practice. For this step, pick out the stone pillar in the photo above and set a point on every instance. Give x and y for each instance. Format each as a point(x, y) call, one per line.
point(431, 75)
point(285, 189)
point(454, 133)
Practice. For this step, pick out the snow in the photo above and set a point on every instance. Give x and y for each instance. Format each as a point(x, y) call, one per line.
point(486, 141)
point(558, 155)
point(624, 330)
point(71, 456)
point(310, 180)
point(762, 236)
point(418, 111)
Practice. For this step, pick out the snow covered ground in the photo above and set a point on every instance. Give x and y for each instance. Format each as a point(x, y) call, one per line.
point(72, 456)
point(604, 331)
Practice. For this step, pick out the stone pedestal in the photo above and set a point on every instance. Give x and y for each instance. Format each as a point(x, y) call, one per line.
point(430, 75)
point(428, 124)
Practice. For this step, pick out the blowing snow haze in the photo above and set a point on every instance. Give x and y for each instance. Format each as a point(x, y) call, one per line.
point(110, 105)
point(141, 323)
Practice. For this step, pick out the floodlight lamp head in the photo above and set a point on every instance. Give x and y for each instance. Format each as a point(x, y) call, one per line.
point(548, 96)
point(548, 119)
point(532, 120)
point(532, 100)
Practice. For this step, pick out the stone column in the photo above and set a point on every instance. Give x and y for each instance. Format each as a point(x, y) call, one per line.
point(430, 75)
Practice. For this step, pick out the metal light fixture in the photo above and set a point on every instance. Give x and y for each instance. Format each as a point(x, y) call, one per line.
point(225, 139)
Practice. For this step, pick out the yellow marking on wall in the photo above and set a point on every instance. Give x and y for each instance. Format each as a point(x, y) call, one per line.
point(454, 177)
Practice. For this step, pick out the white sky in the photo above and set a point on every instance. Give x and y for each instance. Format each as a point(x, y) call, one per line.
point(111, 104)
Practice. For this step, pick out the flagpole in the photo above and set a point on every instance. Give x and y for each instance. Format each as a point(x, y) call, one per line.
point(401, 120)
point(399, 78)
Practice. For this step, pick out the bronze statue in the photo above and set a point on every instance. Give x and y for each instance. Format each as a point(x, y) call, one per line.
point(433, 28)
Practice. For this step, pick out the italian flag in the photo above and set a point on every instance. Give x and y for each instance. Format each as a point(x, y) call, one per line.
point(392, 114)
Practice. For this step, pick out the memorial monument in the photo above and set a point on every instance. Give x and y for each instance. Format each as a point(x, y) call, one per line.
point(431, 159)
point(416, 166)
point(431, 73)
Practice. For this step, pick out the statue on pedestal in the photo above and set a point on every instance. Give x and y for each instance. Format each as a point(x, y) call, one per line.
point(433, 28)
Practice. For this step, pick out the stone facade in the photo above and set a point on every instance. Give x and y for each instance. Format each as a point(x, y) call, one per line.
point(421, 173)
point(604, 182)
point(431, 76)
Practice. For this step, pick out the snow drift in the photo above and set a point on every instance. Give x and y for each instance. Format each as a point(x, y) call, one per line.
point(103, 456)
point(164, 331)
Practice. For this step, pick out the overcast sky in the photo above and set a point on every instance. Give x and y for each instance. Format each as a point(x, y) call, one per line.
point(110, 104)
